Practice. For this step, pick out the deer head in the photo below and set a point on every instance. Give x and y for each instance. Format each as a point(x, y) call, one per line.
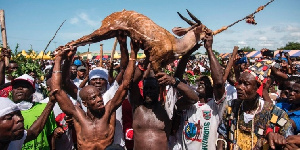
point(195, 26)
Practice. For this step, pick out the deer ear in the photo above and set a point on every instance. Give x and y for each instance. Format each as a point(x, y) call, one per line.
point(179, 31)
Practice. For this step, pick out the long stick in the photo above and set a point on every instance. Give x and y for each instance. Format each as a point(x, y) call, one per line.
point(54, 35)
point(3, 33)
point(101, 55)
point(113, 50)
point(256, 11)
point(230, 63)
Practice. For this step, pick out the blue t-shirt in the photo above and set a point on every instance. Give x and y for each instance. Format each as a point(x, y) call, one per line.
point(295, 116)
point(284, 106)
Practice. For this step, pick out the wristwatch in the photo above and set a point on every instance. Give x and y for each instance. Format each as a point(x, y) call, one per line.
point(177, 82)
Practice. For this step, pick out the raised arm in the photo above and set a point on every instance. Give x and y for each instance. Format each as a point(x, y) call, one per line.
point(2, 70)
point(63, 100)
point(116, 101)
point(216, 68)
point(140, 71)
point(187, 92)
point(38, 125)
point(67, 84)
point(4, 53)
point(122, 39)
point(183, 61)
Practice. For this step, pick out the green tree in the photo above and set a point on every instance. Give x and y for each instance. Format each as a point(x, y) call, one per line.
point(247, 49)
point(291, 46)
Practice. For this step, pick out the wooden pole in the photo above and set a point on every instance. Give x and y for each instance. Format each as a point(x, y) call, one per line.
point(230, 63)
point(3, 33)
point(113, 50)
point(101, 55)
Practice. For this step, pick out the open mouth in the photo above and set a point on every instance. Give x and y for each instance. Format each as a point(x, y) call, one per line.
point(20, 94)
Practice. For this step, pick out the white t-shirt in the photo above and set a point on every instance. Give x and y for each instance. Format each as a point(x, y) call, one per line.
point(77, 81)
point(17, 144)
point(230, 92)
point(200, 125)
point(6, 80)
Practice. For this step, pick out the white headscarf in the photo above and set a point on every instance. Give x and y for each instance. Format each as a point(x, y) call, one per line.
point(7, 106)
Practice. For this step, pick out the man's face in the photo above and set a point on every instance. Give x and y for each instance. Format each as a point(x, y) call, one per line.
point(12, 67)
point(286, 87)
point(100, 84)
point(80, 74)
point(73, 70)
point(201, 89)
point(11, 126)
point(294, 94)
point(22, 90)
point(243, 67)
point(247, 87)
point(94, 100)
point(150, 90)
point(32, 74)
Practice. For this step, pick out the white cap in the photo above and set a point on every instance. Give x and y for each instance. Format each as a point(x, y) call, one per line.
point(7, 106)
point(98, 73)
point(27, 78)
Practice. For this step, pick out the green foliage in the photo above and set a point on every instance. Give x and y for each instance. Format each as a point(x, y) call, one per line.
point(26, 65)
point(247, 49)
point(168, 72)
point(191, 78)
point(291, 46)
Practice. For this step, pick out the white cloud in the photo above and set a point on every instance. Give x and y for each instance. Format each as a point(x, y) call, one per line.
point(267, 45)
point(83, 18)
point(263, 38)
point(293, 28)
point(242, 43)
point(295, 34)
point(74, 20)
point(87, 20)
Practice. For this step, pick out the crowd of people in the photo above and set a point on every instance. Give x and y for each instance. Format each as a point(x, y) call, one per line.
point(124, 104)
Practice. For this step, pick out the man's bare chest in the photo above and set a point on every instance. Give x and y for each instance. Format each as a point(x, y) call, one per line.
point(145, 118)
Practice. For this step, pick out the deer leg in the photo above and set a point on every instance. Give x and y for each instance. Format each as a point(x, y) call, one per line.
point(97, 36)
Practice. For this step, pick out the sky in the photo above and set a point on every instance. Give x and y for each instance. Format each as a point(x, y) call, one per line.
point(32, 23)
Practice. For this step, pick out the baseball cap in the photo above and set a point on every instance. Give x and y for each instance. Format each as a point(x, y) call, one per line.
point(81, 68)
point(77, 62)
point(98, 73)
point(25, 77)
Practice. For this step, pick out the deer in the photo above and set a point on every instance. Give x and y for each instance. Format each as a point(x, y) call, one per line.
point(163, 47)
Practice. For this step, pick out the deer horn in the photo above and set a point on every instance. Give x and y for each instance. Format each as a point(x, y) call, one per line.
point(186, 20)
point(194, 18)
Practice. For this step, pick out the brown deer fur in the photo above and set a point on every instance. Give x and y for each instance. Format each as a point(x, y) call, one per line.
point(161, 44)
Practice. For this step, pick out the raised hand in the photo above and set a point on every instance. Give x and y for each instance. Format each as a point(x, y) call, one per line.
point(164, 79)
point(5, 53)
point(208, 39)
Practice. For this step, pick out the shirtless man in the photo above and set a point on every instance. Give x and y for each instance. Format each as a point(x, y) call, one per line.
point(95, 128)
point(151, 123)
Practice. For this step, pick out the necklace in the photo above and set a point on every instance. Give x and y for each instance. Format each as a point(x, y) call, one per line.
point(252, 124)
